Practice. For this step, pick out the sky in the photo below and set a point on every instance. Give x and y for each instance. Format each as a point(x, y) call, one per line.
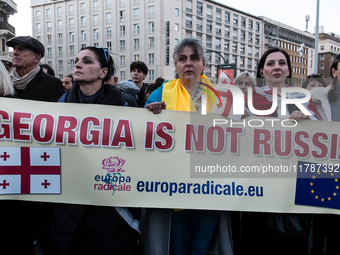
point(289, 12)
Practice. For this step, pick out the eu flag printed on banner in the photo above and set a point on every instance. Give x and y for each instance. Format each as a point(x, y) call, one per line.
point(25, 170)
point(318, 185)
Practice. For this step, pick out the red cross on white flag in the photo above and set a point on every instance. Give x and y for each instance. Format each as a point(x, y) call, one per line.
point(25, 170)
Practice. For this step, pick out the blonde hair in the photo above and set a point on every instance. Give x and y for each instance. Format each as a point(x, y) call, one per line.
point(6, 85)
point(245, 74)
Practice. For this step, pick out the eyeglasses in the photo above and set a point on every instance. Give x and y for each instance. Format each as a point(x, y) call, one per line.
point(106, 53)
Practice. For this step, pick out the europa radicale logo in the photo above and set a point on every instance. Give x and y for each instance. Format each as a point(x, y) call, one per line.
point(113, 180)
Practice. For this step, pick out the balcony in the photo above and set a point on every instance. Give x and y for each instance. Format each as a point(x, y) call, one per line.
point(9, 6)
point(6, 57)
point(8, 27)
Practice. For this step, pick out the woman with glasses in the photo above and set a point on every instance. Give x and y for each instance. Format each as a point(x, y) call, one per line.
point(85, 229)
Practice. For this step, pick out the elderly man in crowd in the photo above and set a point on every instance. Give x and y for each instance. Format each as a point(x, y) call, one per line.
point(19, 218)
point(28, 78)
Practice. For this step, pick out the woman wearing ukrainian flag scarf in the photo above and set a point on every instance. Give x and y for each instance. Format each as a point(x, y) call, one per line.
point(185, 231)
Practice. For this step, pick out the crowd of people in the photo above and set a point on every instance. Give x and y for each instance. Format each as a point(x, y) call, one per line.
point(83, 229)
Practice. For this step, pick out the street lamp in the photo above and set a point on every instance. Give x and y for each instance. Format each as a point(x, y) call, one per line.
point(219, 53)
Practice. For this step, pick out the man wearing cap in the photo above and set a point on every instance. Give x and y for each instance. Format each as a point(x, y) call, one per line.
point(28, 78)
point(19, 218)
point(129, 92)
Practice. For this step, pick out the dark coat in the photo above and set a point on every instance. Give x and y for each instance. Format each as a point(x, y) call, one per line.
point(85, 229)
point(43, 87)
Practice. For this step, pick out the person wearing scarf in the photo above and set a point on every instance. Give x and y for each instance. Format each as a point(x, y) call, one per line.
point(186, 231)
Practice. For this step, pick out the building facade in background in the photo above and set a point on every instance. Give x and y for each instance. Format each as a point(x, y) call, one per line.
point(329, 48)
point(146, 30)
point(7, 31)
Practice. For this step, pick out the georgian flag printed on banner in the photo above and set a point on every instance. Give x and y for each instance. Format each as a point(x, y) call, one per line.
point(26, 170)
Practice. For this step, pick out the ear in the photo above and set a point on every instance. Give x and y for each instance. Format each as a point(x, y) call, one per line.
point(261, 72)
point(333, 73)
point(144, 76)
point(103, 73)
point(37, 58)
point(203, 66)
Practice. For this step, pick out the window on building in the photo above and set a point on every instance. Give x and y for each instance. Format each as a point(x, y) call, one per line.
point(135, 14)
point(49, 52)
point(95, 19)
point(82, 8)
point(151, 42)
point(60, 38)
point(151, 11)
point(48, 26)
point(235, 31)
point(122, 75)
point(243, 36)
point(95, 5)
point(71, 23)
point(60, 65)
point(250, 38)
point(250, 25)
point(234, 47)
point(176, 27)
point(250, 50)
point(108, 32)
point(218, 14)
point(243, 22)
point(235, 20)
point(136, 44)
point(38, 28)
point(322, 56)
point(151, 75)
point(83, 21)
point(227, 17)
point(199, 9)
point(48, 13)
point(188, 33)
point(226, 45)
point(60, 51)
point(95, 33)
point(108, 18)
point(108, 4)
point(71, 50)
point(122, 61)
point(218, 43)
point(83, 46)
point(122, 15)
point(176, 12)
point(83, 35)
point(209, 41)
point(49, 39)
point(209, 11)
point(322, 66)
point(226, 31)
point(209, 26)
point(37, 15)
point(208, 56)
point(257, 27)
point(135, 1)
point(121, 3)
point(188, 21)
point(242, 61)
point(71, 63)
point(151, 58)
point(257, 40)
point(59, 12)
point(243, 49)
point(151, 27)
point(71, 37)
point(188, 6)
point(218, 28)
point(177, 41)
point(136, 29)
point(122, 45)
point(121, 30)
point(257, 53)
point(322, 47)
point(136, 57)
point(199, 24)
point(217, 59)
point(109, 46)
point(70, 10)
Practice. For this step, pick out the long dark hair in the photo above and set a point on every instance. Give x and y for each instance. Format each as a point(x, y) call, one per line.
point(331, 94)
point(105, 60)
point(263, 60)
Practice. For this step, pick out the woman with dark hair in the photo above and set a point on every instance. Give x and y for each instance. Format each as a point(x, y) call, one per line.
point(85, 229)
point(314, 81)
point(276, 233)
point(327, 99)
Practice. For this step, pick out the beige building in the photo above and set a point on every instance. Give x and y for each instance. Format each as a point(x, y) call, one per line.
point(7, 31)
point(146, 30)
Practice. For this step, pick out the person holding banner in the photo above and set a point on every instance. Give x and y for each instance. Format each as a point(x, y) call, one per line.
point(191, 231)
point(86, 229)
point(276, 233)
